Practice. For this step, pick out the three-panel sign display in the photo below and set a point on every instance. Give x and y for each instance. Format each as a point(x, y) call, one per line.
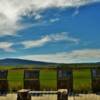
point(64, 79)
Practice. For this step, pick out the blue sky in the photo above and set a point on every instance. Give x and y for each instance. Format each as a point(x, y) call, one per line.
point(63, 31)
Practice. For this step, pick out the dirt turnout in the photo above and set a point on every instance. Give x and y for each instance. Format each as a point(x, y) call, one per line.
point(8, 97)
point(86, 97)
point(54, 97)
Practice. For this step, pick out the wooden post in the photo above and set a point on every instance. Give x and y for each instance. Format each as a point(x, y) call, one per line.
point(31, 79)
point(23, 95)
point(96, 79)
point(3, 81)
point(64, 79)
point(62, 94)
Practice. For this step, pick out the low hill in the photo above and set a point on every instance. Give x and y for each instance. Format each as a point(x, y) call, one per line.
point(15, 62)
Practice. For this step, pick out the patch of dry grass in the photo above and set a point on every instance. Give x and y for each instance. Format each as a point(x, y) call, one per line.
point(54, 97)
point(87, 97)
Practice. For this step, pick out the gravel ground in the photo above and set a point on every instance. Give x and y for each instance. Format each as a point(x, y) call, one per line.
point(54, 97)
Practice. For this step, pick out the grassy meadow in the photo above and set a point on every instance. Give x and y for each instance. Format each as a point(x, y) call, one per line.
point(82, 80)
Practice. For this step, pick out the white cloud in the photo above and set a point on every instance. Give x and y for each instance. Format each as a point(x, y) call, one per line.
point(38, 16)
point(64, 36)
point(12, 10)
point(76, 12)
point(54, 20)
point(75, 56)
point(35, 43)
point(6, 46)
point(50, 38)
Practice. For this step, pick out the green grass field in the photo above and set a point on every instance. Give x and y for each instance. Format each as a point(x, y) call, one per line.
point(48, 79)
point(15, 79)
point(82, 80)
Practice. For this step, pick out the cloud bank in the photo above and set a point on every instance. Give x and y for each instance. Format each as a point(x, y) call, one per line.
point(6, 46)
point(75, 56)
point(11, 11)
point(64, 36)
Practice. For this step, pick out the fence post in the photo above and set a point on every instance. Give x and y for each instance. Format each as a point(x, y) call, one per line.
point(3, 81)
point(62, 94)
point(95, 79)
point(31, 79)
point(64, 79)
point(23, 95)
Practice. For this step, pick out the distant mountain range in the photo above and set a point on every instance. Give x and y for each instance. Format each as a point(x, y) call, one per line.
point(24, 63)
point(16, 62)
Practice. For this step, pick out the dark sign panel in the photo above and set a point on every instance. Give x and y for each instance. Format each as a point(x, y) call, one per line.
point(63, 74)
point(32, 74)
point(96, 73)
point(3, 74)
